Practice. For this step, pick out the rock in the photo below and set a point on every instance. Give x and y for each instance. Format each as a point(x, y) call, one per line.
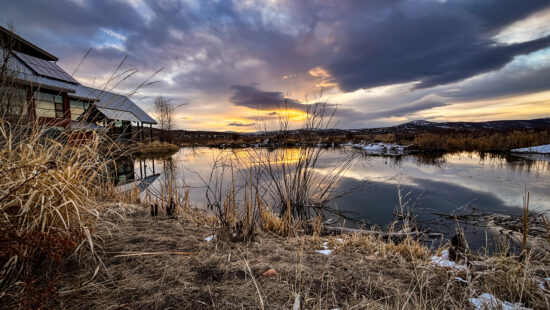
point(270, 273)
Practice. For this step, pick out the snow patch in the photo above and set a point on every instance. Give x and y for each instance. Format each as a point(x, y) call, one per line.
point(444, 261)
point(381, 148)
point(324, 252)
point(487, 301)
point(541, 149)
point(209, 238)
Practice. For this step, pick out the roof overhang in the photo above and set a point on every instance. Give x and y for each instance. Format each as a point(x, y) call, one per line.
point(118, 115)
point(42, 85)
point(21, 45)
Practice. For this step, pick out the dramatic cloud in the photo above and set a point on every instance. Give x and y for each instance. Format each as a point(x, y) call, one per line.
point(251, 97)
point(381, 61)
point(431, 42)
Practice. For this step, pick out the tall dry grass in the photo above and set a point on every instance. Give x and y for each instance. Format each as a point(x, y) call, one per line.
point(48, 194)
point(51, 186)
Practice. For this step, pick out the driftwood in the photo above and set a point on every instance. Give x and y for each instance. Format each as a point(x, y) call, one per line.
point(383, 234)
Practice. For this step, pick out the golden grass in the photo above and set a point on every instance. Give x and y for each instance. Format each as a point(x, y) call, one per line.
point(154, 149)
point(47, 187)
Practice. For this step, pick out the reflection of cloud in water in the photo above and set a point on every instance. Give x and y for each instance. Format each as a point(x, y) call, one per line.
point(467, 173)
point(499, 176)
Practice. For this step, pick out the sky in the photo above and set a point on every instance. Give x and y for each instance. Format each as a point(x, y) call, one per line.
point(232, 65)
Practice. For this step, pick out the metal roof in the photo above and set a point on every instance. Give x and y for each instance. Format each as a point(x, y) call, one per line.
point(14, 64)
point(109, 100)
point(103, 99)
point(45, 68)
point(118, 115)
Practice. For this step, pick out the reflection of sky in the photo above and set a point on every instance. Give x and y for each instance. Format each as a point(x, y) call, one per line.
point(489, 183)
point(504, 179)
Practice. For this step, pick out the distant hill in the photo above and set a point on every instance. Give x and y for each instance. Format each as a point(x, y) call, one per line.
point(420, 126)
point(413, 127)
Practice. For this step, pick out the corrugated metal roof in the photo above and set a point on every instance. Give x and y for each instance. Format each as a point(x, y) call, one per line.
point(109, 100)
point(119, 115)
point(14, 64)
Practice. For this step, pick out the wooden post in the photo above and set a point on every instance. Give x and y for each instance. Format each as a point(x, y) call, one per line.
point(66, 108)
point(151, 132)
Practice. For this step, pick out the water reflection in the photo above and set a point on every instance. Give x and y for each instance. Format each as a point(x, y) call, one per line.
point(121, 171)
point(437, 183)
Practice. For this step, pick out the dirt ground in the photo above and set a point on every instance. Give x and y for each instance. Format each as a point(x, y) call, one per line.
point(361, 273)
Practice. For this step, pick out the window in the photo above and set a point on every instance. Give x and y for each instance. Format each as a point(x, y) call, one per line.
point(78, 108)
point(13, 101)
point(48, 105)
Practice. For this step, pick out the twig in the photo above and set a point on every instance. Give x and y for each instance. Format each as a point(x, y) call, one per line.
point(155, 253)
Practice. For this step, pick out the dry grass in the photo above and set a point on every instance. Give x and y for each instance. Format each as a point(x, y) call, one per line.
point(48, 191)
point(154, 149)
point(363, 272)
point(481, 141)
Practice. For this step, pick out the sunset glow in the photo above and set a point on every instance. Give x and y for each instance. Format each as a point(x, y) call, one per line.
point(237, 62)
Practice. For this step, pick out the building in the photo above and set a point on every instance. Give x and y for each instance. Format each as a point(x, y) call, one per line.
point(34, 87)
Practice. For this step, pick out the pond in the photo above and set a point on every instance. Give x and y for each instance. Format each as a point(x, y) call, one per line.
point(429, 185)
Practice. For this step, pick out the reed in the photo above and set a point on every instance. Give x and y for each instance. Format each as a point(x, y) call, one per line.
point(52, 185)
point(525, 222)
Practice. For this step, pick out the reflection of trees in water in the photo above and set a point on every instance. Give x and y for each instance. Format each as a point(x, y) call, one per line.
point(527, 162)
point(431, 159)
point(391, 160)
point(428, 158)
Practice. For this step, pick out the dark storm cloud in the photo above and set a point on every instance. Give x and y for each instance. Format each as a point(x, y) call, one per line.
point(250, 96)
point(431, 42)
point(207, 46)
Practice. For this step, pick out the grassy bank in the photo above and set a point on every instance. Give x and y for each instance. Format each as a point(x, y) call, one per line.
point(164, 262)
point(153, 149)
point(441, 140)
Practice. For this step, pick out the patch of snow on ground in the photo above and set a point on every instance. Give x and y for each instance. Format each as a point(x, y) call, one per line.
point(209, 238)
point(487, 301)
point(326, 250)
point(380, 148)
point(541, 149)
point(444, 261)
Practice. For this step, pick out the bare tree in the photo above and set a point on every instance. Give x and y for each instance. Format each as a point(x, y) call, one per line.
point(165, 116)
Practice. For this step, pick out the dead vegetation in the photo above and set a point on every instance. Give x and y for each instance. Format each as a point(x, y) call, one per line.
point(154, 149)
point(144, 270)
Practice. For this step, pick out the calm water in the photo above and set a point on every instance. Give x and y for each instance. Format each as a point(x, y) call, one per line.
point(435, 184)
